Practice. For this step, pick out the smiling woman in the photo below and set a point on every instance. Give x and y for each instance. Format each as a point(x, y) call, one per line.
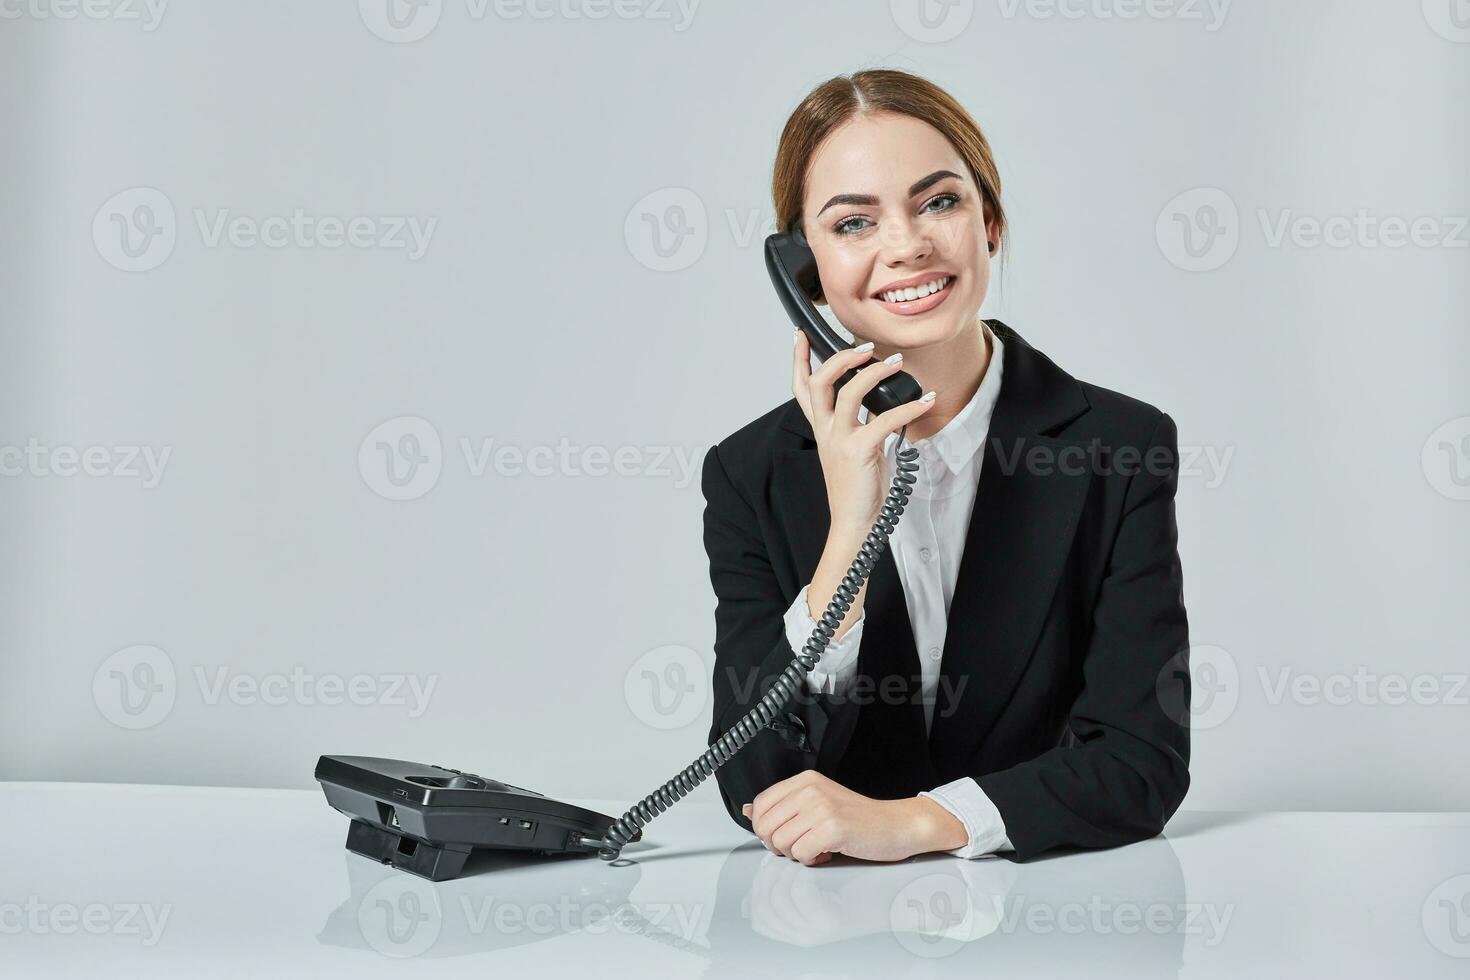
point(1013, 674)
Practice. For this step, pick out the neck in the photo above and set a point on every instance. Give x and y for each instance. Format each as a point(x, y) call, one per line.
point(953, 370)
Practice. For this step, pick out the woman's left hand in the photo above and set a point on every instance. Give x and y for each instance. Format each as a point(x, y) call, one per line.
point(810, 817)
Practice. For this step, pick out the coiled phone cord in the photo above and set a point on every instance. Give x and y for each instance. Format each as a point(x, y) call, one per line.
point(629, 825)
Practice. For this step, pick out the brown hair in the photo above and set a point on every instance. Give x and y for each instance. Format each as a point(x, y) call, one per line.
point(839, 99)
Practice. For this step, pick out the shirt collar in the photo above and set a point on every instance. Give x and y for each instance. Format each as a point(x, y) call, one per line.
point(962, 436)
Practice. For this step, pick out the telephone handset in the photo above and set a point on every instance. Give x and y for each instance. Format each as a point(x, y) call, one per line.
point(793, 270)
point(428, 819)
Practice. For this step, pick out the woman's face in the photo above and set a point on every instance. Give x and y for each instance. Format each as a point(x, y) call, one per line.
point(890, 203)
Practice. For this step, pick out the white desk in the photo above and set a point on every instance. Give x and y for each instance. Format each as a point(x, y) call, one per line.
point(148, 881)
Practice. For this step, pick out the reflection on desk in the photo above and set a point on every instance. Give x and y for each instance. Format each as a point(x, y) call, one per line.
point(250, 882)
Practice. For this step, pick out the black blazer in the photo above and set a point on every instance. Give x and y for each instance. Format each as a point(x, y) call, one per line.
point(1064, 686)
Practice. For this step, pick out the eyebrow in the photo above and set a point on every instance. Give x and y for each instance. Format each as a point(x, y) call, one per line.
point(868, 199)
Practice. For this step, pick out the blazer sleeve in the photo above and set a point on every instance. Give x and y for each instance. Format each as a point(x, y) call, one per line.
point(1125, 768)
point(751, 651)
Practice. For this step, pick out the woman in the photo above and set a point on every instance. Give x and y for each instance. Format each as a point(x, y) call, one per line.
point(1012, 674)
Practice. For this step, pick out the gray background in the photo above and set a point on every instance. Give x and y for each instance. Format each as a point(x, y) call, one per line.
point(564, 616)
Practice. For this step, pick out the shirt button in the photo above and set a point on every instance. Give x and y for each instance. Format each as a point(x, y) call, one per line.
point(933, 653)
point(926, 554)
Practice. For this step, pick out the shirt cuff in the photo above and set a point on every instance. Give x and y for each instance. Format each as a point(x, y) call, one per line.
point(837, 666)
point(967, 801)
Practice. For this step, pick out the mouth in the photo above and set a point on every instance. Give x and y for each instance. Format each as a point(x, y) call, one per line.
point(916, 298)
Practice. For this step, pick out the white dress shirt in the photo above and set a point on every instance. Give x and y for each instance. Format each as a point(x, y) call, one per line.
point(926, 546)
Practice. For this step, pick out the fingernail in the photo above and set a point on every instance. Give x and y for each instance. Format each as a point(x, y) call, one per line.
point(864, 348)
point(928, 397)
point(893, 358)
point(745, 810)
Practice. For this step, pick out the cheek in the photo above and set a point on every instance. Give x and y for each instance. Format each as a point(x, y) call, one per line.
point(845, 280)
point(977, 258)
point(979, 283)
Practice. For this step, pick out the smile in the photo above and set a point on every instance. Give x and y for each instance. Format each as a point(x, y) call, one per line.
point(913, 300)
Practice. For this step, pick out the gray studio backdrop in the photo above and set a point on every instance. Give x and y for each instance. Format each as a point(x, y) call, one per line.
point(359, 360)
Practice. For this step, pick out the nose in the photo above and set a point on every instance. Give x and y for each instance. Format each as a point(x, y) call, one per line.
point(905, 242)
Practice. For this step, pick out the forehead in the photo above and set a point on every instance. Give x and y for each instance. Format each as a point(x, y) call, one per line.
point(880, 154)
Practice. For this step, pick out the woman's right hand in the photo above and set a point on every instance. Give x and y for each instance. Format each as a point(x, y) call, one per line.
point(851, 452)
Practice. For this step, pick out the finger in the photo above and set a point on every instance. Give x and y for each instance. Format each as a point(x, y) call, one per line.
point(784, 836)
point(820, 384)
point(879, 426)
point(772, 795)
point(801, 370)
point(811, 848)
point(777, 816)
point(867, 379)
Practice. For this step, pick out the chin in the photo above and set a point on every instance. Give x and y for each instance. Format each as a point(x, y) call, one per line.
point(914, 332)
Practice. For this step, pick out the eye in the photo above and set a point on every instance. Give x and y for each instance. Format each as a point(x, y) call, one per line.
point(844, 227)
point(948, 200)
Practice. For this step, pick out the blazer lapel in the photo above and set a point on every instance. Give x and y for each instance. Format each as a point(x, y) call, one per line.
point(1020, 532)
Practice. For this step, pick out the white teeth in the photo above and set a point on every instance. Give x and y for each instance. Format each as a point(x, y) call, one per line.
point(916, 292)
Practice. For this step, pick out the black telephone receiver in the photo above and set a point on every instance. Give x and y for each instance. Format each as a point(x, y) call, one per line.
point(793, 270)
